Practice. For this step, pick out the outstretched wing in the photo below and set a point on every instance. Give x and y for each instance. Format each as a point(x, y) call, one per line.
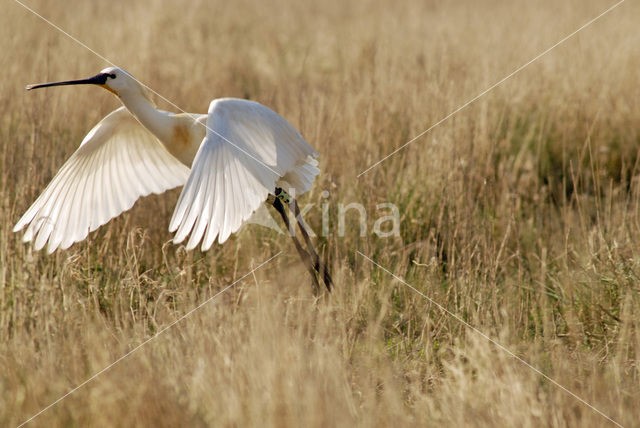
point(117, 162)
point(247, 149)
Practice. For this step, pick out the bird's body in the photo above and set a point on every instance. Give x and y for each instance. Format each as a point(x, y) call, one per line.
point(185, 135)
point(229, 160)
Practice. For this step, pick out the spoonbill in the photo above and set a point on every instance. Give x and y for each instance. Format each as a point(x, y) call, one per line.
point(230, 160)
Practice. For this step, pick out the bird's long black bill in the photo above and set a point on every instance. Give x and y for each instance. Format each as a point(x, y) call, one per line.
point(98, 79)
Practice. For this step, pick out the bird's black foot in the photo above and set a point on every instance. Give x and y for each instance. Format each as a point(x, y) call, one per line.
point(310, 258)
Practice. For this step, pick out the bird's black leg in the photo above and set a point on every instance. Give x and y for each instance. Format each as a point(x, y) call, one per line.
point(306, 258)
point(320, 267)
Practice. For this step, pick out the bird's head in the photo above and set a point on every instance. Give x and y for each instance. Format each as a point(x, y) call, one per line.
point(113, 79)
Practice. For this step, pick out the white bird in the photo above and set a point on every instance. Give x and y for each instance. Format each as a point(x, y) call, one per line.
point(229, 160)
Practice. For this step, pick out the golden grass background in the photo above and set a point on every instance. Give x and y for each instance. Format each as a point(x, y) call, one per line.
point(520, 214)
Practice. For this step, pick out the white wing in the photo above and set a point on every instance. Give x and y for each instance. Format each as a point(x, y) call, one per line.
point(236, 168)
point(117, 162)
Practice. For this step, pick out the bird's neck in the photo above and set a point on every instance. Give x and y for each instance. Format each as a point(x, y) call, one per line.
point(158, 122)
point(175, 131)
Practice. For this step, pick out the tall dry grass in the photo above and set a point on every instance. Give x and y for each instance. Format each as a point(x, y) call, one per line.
point(520, 214)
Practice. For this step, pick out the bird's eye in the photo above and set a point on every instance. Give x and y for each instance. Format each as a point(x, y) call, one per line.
point(112, 75)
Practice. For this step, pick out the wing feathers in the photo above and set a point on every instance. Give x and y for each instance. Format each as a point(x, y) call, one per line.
point(247, 149)
point(117, 162)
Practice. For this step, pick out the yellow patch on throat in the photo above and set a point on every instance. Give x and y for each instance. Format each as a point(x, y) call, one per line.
point(109, 89)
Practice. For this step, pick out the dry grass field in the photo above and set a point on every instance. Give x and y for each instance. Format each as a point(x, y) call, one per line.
point(520, 214)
